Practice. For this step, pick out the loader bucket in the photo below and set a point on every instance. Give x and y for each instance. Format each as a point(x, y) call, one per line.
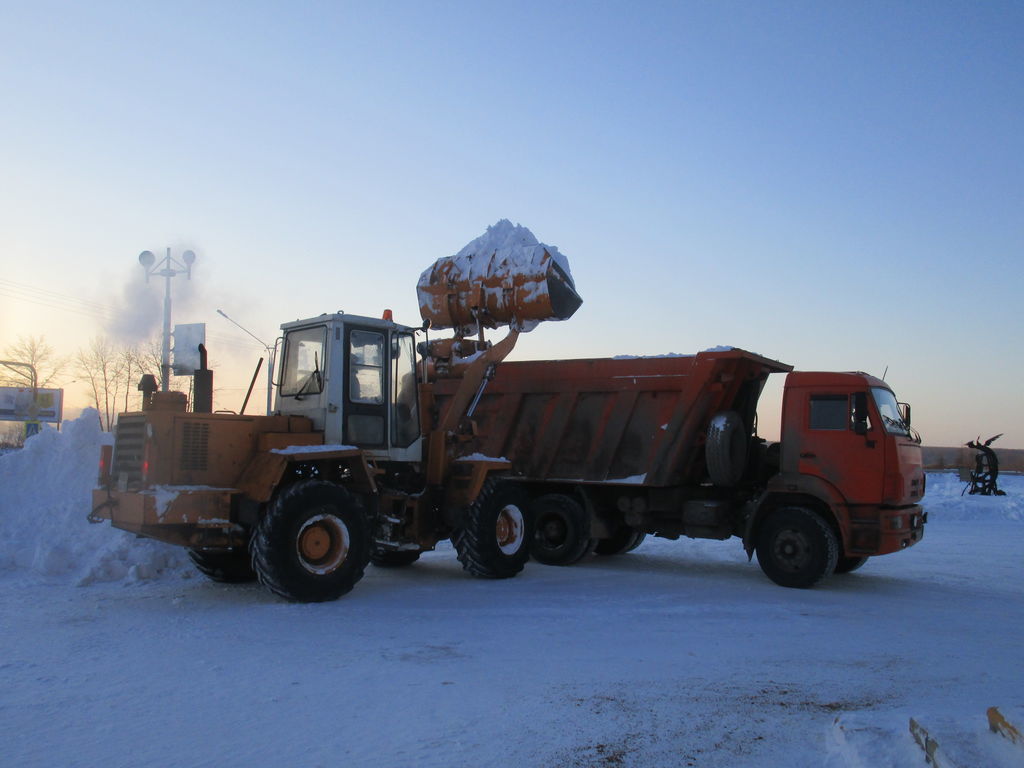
point(519, 288)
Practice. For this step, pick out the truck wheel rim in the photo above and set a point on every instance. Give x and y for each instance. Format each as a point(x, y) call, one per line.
point(322, 544)
point(510, 529)
point(792, 550)
point(553, 531)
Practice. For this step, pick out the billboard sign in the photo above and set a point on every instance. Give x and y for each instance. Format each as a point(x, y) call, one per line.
point(18, 404)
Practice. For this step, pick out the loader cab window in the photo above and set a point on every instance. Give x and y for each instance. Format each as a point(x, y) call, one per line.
point(405, 423)
point(302, 373)
point(365, 410)
point(366, 367)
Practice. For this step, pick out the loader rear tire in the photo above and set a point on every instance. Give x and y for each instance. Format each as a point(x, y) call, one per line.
point(796, 548)
point(624, 540)
point(312, 544)
point(726, 449)
point(562, 536)
point(494, 542)
point(232, 566)
point(389, 558)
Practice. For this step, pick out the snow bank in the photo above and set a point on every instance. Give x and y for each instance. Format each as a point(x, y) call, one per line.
point(45, 496)
point(945, 499)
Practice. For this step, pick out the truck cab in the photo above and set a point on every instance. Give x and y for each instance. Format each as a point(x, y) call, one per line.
point(355, 379)
point(846, 440)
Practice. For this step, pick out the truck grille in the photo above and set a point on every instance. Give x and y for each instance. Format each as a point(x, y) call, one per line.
point(129, 448)
point(195, 442)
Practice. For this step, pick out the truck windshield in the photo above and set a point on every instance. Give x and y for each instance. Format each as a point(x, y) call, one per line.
point(890, 411)
point(303, 362)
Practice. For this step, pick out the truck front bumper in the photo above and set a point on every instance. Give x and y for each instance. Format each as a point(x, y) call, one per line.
point(884, 530)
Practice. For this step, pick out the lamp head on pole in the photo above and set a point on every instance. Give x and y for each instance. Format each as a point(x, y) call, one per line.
point(146, 259)
point(189, 257)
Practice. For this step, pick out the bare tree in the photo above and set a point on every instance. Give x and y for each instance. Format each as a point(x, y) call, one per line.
point(12, 435)
point(33, 350)
point(102, 366)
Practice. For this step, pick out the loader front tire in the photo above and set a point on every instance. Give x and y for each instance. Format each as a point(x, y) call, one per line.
point(494, 541)
point(562, 534)
point(232, 566)
point(312, 544)
point(796, 548)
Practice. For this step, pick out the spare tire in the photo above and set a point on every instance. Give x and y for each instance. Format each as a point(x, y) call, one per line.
point(726, 449)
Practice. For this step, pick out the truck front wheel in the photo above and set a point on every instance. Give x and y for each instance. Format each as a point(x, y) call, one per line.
point(796, 548)
point(849, 564)
point(494, 542)
point(563, 530)
point(313, 544)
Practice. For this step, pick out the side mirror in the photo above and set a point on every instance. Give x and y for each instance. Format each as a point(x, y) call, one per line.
point(905, 413)
point(860, 413)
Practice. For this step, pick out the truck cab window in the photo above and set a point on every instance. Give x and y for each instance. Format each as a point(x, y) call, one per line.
point(304, 362)
point(366, 367)
point(890, 411)
point(405, 423)
point(830, 412)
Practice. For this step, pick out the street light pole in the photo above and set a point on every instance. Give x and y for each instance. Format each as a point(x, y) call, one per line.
point(271, 357)
point(167, 268)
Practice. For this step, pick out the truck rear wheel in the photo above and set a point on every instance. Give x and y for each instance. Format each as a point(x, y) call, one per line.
point(624, 540)
point(233, 566)
point(726, 449)
point(313, 544)
point(796, 548)
point(495, 541)
point(392, 558)
point(563, 530)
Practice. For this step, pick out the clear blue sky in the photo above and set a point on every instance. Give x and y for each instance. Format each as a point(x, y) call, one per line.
point(840, 186)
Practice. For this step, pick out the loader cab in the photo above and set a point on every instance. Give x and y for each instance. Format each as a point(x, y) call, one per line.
point(355, 377)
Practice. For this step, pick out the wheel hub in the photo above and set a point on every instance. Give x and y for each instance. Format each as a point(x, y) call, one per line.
point(322, 544)
point(792, 550)
point(510, 529)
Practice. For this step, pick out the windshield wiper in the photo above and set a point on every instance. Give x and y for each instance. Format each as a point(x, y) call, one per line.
point(314, 377)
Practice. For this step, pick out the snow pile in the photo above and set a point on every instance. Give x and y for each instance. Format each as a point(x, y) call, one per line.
point(45, 496)
point(481, 277)
point(512, 242)
point(945, 499)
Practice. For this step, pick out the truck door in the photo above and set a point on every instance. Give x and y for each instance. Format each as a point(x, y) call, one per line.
point(831, 448)
point(365, 402)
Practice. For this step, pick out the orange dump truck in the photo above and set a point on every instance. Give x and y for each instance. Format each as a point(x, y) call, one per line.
point(381, 445)
point(610, 450)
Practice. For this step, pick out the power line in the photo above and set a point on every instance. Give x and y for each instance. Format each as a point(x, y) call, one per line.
point(54, 300)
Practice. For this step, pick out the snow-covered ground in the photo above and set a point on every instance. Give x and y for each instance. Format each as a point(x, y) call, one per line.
point(114, 653)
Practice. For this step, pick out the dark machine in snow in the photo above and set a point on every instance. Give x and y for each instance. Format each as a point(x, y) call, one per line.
point(984, 476)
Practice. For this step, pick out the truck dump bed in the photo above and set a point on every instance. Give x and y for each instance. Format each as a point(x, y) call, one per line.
point(638, 421)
